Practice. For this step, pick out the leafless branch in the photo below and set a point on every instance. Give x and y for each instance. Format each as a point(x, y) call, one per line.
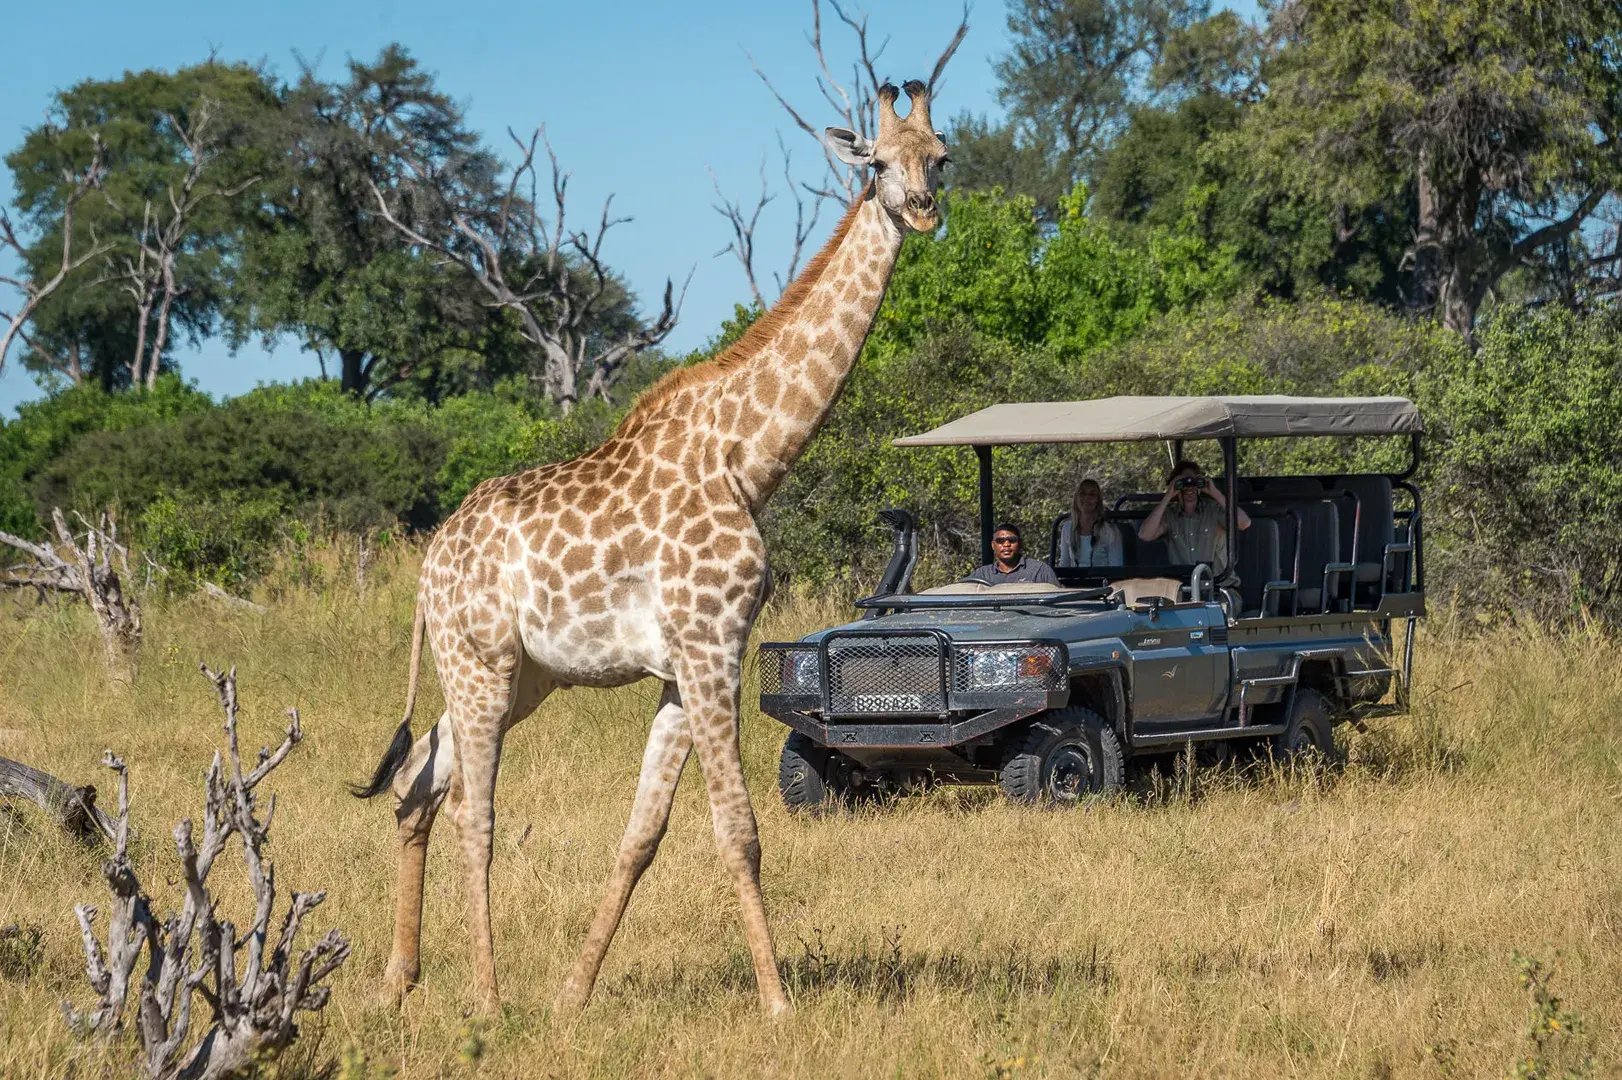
point(150, 277)
point(35, 292)
point(252, 994)
point(551, 278)
point(854, 101)
point(744, 223)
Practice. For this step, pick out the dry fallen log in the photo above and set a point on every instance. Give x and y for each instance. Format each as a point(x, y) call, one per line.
point(73, 808)
point(252, 983)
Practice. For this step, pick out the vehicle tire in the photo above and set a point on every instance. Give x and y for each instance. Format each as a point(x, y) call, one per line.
point(813, 777)
point(1309, 732)
point(1063, 757)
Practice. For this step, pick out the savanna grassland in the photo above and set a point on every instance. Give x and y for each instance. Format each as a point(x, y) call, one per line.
point(1368, 922)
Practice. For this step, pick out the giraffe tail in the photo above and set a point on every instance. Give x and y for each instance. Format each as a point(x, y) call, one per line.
point(400, 745)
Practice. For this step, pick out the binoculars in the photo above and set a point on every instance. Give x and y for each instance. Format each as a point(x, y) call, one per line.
point(1184, 482)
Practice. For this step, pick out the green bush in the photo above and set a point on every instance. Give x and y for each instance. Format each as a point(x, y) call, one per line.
point(349, 470)
point(1527, 508)
point(45, 430)
point(227, 540)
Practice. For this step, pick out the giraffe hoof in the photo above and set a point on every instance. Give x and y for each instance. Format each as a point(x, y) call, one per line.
point(397, 983)
point(570, 1002)
point(777, 1008)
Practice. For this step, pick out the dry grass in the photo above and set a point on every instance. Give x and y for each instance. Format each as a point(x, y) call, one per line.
point(1364, 923)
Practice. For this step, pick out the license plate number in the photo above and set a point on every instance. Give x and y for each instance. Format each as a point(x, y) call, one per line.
point(887, 703)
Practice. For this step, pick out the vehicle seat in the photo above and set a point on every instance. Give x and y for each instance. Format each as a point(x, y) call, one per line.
point(1375, 530)
point(956, 588)
point(1319, 540)
point(1258, 560)
point(1135, 590)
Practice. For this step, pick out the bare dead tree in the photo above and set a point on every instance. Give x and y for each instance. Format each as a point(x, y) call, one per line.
point(89, 569)
point(34, 291)
point(552, 279)
point(253, 984)
point(854, 99)
point(149, 277)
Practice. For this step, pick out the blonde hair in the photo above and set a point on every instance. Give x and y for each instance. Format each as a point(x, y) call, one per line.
point(1075, 518)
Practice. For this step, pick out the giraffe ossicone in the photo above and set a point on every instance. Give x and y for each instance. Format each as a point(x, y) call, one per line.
point(642, 558)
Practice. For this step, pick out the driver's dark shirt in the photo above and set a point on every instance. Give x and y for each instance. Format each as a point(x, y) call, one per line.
point(1028, 569)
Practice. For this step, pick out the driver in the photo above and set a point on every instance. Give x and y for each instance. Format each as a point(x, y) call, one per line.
point(1009, 562)
point(1192, 516)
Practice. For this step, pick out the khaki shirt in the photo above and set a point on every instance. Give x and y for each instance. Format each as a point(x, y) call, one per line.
point(1198, 537)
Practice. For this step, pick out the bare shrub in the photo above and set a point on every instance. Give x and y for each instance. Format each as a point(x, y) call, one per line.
point(253, 984)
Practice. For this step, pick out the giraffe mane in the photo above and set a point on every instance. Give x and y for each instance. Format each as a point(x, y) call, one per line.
point(754, 339)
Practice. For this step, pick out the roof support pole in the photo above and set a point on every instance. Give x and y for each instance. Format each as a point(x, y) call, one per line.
point(988, 523)
point(1230, 466)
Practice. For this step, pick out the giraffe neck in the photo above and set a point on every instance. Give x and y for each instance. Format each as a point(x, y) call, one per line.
point(777, 400)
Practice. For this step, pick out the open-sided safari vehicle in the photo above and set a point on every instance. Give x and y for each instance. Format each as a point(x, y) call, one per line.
point(1049, 690)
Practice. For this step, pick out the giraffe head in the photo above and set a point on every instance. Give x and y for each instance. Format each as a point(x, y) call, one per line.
point(906, 157)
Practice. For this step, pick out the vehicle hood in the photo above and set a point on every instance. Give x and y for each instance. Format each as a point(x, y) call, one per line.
point(1002, 624)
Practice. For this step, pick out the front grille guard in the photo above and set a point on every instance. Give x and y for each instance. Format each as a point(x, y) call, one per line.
point(906, 673)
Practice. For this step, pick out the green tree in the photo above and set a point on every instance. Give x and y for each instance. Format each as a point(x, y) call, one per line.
point(1069, 82)
point(181, 159)
point(325, 267)
point(1500, 122)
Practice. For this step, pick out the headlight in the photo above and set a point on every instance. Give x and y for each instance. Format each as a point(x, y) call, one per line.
point(1036, 667)
point(800, 673)
point(990, 670)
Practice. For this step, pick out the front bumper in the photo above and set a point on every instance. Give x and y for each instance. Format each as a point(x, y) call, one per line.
point(911, 688)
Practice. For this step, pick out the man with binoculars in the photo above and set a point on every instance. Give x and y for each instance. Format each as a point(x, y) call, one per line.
point(1195, 529)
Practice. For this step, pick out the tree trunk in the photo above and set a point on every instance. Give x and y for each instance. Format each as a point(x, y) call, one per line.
point(353, 374)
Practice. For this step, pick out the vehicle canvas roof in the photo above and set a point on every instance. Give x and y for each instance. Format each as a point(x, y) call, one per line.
point(1142, 419)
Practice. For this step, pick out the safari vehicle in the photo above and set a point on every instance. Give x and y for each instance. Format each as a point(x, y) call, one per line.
point(1050, 690)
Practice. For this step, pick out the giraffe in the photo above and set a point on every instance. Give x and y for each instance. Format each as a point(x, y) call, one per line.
point(641, 558)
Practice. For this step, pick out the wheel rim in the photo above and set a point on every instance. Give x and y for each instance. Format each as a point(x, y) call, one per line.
point(1302, 741)
point(1070, 774)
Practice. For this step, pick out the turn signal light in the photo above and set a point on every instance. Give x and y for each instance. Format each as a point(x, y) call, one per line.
point(1035, 665)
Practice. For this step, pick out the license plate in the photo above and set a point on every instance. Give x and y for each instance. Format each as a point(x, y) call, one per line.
point(886, 703)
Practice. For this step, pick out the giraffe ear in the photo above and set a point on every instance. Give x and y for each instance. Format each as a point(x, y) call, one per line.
point(848, 146)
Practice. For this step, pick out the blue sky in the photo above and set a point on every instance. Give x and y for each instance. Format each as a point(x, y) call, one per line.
point(641, 99)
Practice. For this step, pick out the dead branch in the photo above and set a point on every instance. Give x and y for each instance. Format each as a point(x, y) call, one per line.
point(744, 224)
point(214, 592)
point(102, 587)
point(90, 569)
point(34, 291)
point(551, 278)
point(73, 808)
point(150, 277)
point(253, 984)
point(854, 101)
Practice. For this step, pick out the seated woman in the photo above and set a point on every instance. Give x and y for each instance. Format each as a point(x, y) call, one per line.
point(1086, 536)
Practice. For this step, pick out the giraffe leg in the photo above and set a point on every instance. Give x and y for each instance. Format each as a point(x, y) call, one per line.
point(712, 708)
point(669, 742)
point(420, 786)
point(483, 703)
